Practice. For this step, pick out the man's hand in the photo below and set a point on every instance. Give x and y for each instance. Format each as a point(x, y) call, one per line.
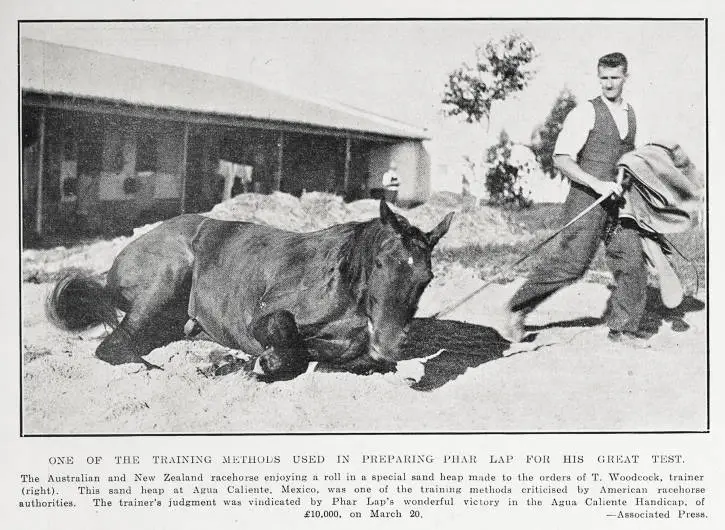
point(606, 188)
point(572, 170)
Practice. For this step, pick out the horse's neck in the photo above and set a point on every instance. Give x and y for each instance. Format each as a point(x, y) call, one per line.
point(357, 255)
point(337, 286)
point(333, 278)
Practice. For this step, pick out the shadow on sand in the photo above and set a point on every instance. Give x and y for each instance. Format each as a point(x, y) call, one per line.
point(469, 345)
point(656, 314)
point(466, 346)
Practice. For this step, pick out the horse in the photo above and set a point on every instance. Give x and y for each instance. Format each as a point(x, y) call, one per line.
point(343, 296)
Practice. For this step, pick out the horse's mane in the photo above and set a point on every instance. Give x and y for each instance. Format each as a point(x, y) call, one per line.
point(356, 255)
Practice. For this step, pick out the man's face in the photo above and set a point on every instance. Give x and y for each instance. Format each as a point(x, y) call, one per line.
point(612, 81)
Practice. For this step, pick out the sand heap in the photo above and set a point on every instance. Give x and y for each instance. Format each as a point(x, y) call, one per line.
point(312, 211)
point(96, 257)
point(472, 224)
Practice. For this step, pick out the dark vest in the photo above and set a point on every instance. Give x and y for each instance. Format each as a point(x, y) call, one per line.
point(604, 147)
point(599, 158)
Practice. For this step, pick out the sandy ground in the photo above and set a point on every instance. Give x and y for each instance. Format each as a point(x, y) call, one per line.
point(566, 377)
point(459, 374)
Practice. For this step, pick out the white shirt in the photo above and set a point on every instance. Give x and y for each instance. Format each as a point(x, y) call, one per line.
point(580, 121)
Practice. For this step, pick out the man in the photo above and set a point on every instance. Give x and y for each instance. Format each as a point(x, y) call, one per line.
point(595, 135)
point(391, 183)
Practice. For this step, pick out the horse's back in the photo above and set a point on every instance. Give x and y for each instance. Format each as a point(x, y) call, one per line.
point(175, 242)
point(243, 271)
point(224, 274)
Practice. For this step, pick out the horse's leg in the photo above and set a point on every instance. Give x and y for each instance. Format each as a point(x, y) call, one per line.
point(119, 347)
point(285, 355)
point(143, 329)
point(151, 281)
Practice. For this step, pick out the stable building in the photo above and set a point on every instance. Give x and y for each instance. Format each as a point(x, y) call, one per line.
point(109, 143)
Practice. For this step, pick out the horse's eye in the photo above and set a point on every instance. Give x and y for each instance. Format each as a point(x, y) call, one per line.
point(378, 264)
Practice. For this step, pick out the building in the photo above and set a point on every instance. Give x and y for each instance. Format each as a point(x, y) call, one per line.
point(109, 142)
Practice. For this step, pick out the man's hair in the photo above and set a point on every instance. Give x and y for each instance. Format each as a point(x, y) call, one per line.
point(613, 60)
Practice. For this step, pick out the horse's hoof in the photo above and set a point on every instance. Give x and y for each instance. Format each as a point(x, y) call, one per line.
point(248, 367)
point(254, 376)
point(229, 367)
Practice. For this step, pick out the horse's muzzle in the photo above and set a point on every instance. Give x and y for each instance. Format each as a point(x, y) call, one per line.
point(385, 344)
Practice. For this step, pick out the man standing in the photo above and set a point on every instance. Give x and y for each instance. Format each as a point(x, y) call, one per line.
point(594, 136)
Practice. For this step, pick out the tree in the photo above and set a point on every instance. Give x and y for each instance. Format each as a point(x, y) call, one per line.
point(543, 139)
point(502, 68)
point(503, 177)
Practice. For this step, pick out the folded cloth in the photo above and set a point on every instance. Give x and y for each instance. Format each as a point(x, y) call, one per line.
point(666, 190)
point(671, 290)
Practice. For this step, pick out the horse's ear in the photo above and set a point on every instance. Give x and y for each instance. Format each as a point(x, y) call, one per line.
point(440, 230)
point(387, 216)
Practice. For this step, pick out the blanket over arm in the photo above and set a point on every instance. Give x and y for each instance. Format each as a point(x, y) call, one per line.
point(667, 189)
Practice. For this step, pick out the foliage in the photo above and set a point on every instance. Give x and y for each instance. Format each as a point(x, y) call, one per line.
point(543, 139)
point(503, 177)
point(502, 68)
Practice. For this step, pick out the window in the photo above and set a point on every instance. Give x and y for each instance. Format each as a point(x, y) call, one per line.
point(146, 152)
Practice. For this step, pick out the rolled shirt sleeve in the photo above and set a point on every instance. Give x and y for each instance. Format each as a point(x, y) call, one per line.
point(575, 131)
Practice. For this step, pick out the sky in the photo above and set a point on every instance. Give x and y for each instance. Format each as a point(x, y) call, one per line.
point(399, 68)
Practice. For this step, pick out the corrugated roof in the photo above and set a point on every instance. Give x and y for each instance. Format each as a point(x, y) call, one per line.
point(57, 69)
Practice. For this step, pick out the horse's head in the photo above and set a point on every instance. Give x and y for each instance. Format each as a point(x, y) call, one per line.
point(400, 271)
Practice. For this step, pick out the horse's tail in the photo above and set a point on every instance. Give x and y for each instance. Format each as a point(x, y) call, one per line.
point(78, 302)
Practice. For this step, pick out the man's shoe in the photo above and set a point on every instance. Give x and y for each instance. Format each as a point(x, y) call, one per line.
point(513, 330)
point(627, 338)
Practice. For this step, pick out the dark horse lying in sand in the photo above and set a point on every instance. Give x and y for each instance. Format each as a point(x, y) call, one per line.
point(343, 296)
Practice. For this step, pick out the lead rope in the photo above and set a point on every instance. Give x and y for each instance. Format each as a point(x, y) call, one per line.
point(518, 262)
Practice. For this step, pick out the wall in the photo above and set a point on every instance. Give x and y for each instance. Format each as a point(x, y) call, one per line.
point(99, 155)
point(413, 164)
point(88, 158)
point(158, 190)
